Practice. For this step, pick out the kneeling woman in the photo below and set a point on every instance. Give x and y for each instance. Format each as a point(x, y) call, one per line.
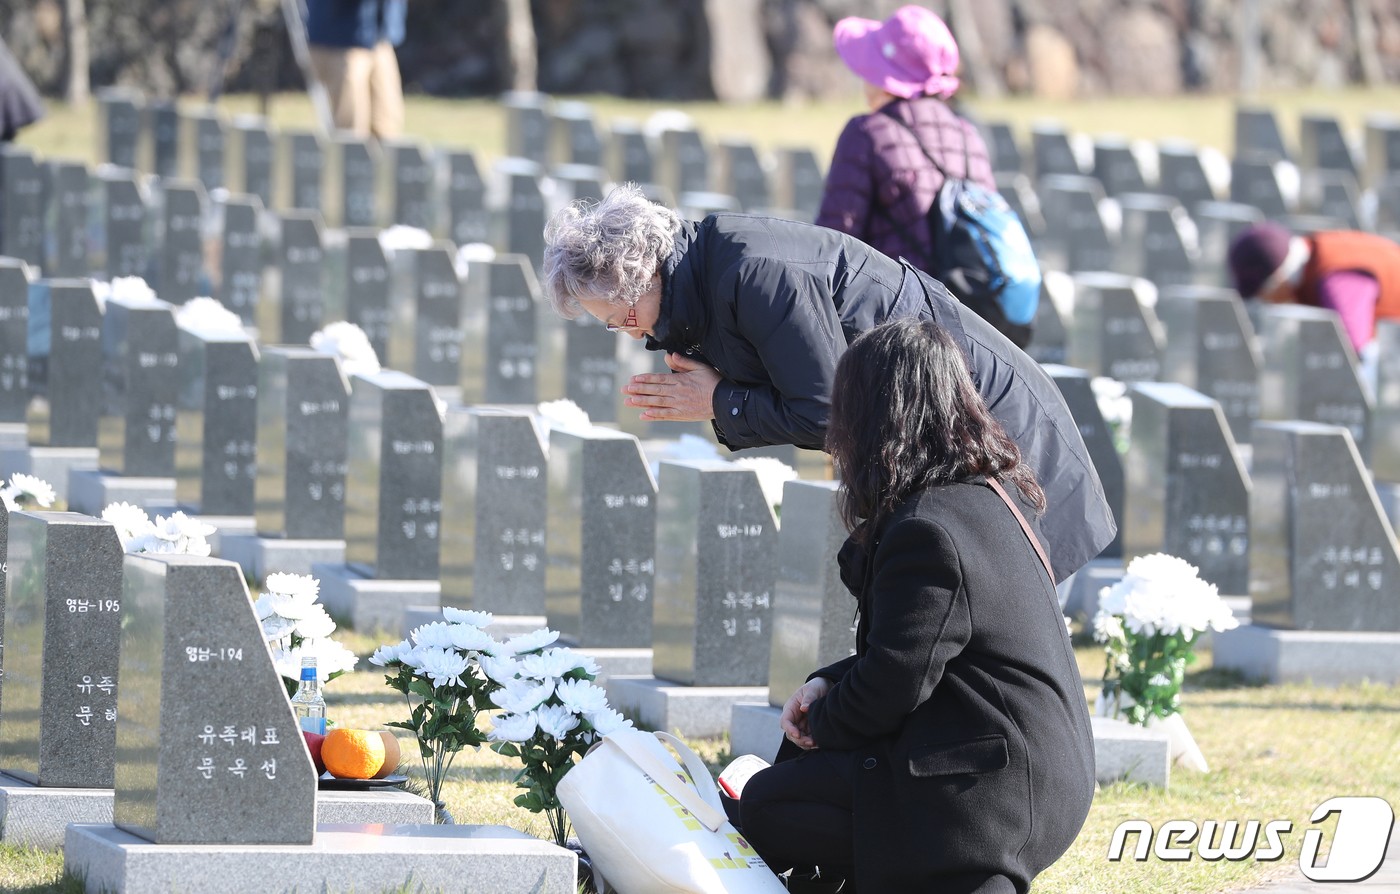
point(952, 752)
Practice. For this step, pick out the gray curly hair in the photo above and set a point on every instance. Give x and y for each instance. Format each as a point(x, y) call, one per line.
point(607, 250)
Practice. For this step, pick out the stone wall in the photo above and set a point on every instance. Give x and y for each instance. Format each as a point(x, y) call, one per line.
point(746, 49)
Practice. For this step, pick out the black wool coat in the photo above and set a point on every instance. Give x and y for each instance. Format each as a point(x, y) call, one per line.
point(963, 704)
point(772, 304)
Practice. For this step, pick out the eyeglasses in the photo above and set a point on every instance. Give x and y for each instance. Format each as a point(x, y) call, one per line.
point(628, 322)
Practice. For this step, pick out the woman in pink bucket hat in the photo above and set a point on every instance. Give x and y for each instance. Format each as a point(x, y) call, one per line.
point(881, 184)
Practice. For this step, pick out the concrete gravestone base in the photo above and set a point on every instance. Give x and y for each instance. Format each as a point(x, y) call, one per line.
point(369, 604)
point(92, 490)
point(689, 710)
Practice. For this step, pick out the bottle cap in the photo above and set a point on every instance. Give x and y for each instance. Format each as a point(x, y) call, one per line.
point(308, 668)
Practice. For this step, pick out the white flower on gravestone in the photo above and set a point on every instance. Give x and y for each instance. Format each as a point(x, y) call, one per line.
point(132, 523)
point(101, 290)
point(528, 642)
point(468, 638)
point(1116, 407)
point(207, 314)
point(1161, 593)
point(663, 120)
point(462, 616)
point(563, 414)
point(27, 492)
point(1216, 166)
point(512, 727)
point(349, 343)
point(608, 721)
point(331, 658)
point(469, 254)
point(176, 534)
point(1148, 159)
point(772, 474)
point(132, 290)
point(402, 237)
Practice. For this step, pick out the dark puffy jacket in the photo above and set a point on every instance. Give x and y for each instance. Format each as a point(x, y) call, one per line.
point(880, 186)
point(355, 23)
point(772, 304)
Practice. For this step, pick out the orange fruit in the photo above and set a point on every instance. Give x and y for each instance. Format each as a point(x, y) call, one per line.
point(353, 753)
point(391, 754)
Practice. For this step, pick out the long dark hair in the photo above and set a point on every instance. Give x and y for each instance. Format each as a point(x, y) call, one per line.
point(905, 415)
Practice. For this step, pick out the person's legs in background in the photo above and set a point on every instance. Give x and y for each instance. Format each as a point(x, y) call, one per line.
point(345, 73)
point(797, 815)
point(385, 93)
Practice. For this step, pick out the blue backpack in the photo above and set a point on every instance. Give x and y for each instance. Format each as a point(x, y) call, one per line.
point(980, 251)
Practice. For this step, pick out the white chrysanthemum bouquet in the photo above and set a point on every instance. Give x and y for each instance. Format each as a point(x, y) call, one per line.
point(1149, 623)
point(296, 626)
point(27, 492)
point(175, 534)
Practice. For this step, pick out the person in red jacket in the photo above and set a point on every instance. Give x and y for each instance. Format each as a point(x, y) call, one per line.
point(1354, 273)
point(880, 185)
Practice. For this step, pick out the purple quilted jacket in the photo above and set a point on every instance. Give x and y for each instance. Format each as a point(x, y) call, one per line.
point(880, 186)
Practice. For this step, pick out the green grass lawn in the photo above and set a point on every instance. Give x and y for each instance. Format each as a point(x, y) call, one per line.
point(1275, 753)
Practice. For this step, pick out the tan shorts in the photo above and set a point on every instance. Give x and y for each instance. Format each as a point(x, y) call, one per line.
point(365, 91)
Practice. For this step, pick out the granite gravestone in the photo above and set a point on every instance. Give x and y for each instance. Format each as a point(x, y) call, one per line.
point(573, 183)
point(425, 331)
point(119, 125)
point(1309, 372)
point(1217, 225)
point(393, 491)
point(1080, 231)
point(1049, 338)
point(716, 558)
point(500, 360)
point(1051, 150)
point(812, 621)
point(1211, 347)
point(63, 617)
point(1382, 147)
point(1099, 439)
point(65, 219)
point(1322, 554)
point(527, 125)
point(468, 219)
point(740, 173)
point(798, 182)
point(21, 205)
point(367, 287)
point(180, 268)
point(353, 182)
point(411, 185)
point(209, 751)
point(1006, 152)
point(14, 339)
point(1114, 332)
point(629, 158)
point(295, 281)
point(1385, 424)
point(1322, 146)
point(592, 378)
point(1181, 174)
point(494, 497)
point(252, 154)
point(301, 163)
point(140, 386)
point(1333, 194)
point(1117, 167)
point(216, 422)
point(1254, 181)
point(1256, 131)
point(1020, 195)
point(202, 146)
point(65, 363)
point(116, 224)
point(237, 271)
point(1187, 493)
point(574, 135)
point(683, 164)
point(1158, 240)
point(164, 128)
point(524, 216)
point(601, 537)
point(303, 401)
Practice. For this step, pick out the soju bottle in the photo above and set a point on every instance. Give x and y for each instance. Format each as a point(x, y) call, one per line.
point(308, 704)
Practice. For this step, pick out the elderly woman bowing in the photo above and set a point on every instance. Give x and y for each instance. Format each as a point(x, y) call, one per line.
point(754, 313)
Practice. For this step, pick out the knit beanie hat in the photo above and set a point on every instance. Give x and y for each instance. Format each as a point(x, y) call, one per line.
point(1255, 254)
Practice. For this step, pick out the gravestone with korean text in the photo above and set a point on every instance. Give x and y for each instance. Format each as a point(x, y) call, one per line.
point(1180, 173)
point(716, 568)
point(202, 145)
point(591, 373)
point(1333, 194)
point(1382, 149)
point(367, 288)
point(740, 173)
point(252, 154)
point(574, 183)
point(301, 164)
point(164, 127)
point(425, 331)
point(1050, 147)
point(14, 339)
point(216, 422)
point(1073, 203)
point(1099, 439)
point(411, 185)
point(65, 363)
point(1211, 347)
point(1113, 332)
point(303, 403)
point(393, 491)
point(813, 624)
point(1385, 424)
point(180, 268)
point(798, 182)
point(1158, 240)
point(1254, 180)
point(1217, 225)
point(295, 282)
point(601, 537)
point(1006, 152)
point(65, 219)
point(117, 213)
point(527, 125)
point(140, 386)
point(573, 134)
point(1257, 131)
point(21, 205)
point(353, 182)
point(683, 164)
point(524, 217)
point(62, 622)
point(494, 500)
point(1049, 337)
point(500, 356)
point(1187, 493)
point(1321, 144)
point(209, 751)
point(1117, 167)
point(628, 154)
point(468, 219)
point(1322, 554)
point(119, 125)
point(1310, 374)
point(237, 276)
